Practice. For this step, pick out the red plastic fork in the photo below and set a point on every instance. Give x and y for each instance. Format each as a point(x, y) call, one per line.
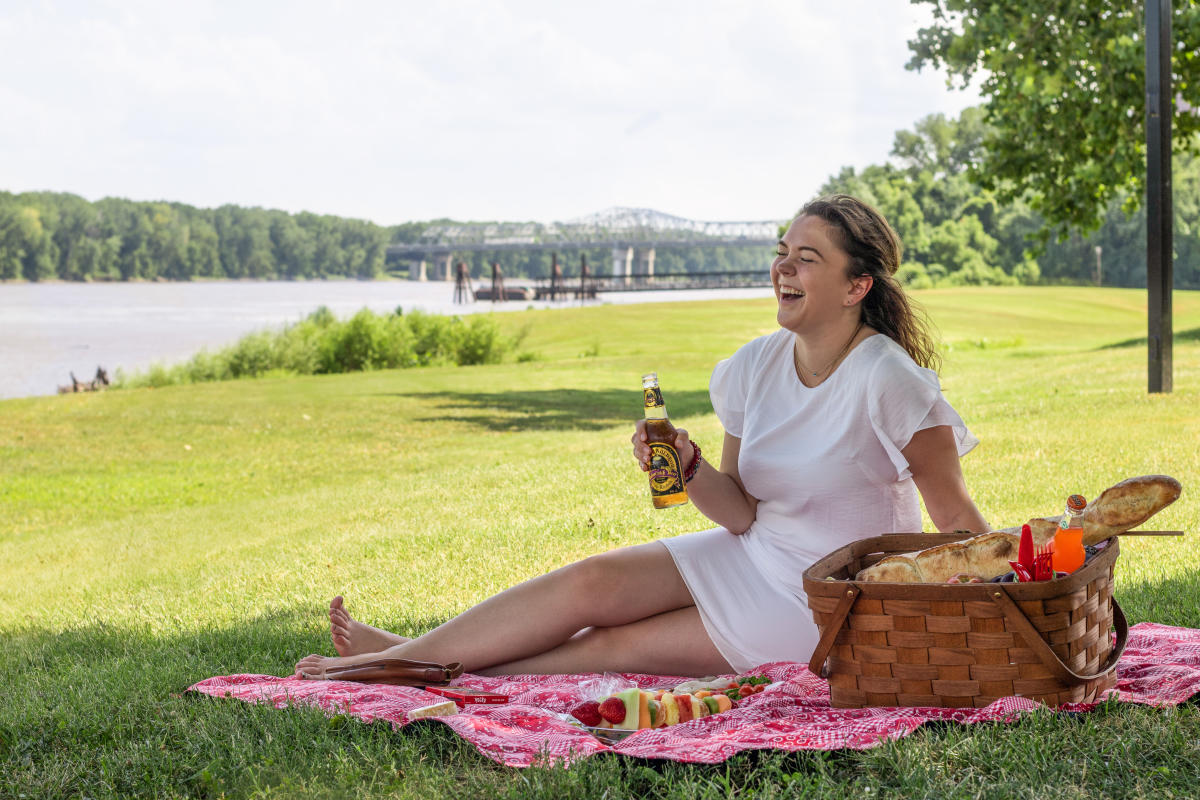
point(1042, 569)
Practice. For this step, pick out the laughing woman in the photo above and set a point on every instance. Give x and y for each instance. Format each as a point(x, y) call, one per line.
point(833, 424)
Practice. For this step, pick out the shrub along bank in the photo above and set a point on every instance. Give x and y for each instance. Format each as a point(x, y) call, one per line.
point(322, 344)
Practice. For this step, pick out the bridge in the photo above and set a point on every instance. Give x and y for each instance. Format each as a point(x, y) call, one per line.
point(633, 234)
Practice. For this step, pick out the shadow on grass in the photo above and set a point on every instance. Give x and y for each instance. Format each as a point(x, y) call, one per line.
point(1171, 601)
point(1190, 335)
point(268, 644)
point(101, 710)
point(98, 710)
point(555, 409)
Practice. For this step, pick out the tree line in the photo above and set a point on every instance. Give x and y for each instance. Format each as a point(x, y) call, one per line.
point(52, 235)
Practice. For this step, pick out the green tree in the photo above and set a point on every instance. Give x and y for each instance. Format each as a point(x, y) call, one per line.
point(12, 241)
point(203, 248)
point(27, 245)
point(1064, 82)
point(294, 247)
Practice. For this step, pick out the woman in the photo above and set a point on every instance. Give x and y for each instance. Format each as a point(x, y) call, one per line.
point(832, 426)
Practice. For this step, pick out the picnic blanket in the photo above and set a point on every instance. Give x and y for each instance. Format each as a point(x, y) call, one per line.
point(1160, 666)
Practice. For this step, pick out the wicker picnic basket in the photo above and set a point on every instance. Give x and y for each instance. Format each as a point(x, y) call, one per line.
point(961, 645)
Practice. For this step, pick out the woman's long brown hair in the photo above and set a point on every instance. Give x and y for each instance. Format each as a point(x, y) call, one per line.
point(874, 249)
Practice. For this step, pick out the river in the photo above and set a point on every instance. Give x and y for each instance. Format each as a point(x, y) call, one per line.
point(50, 330)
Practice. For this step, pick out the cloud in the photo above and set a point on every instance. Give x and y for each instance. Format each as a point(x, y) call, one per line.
point(644, 121)
point(405, 110)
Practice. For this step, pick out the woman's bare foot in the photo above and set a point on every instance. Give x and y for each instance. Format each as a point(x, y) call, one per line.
point(313, 667)
point(351, 637)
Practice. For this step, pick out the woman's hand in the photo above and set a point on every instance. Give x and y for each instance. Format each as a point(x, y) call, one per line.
point(641, 450)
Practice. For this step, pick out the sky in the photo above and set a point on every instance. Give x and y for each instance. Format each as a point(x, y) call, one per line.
point(398, 111)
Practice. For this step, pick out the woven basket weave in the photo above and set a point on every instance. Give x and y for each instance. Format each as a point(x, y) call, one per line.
point(961, 645)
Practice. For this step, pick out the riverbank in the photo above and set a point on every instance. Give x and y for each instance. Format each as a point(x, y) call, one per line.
point(49, 330)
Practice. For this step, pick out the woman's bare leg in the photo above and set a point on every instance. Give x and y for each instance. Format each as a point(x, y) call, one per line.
point(351, 637)
point(604, 591)
point(671, 643)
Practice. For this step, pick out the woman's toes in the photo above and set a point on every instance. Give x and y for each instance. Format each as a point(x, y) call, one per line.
point(308, 666)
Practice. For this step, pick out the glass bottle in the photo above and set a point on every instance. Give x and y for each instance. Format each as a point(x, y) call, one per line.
point(666, 472)
point(1069, 554)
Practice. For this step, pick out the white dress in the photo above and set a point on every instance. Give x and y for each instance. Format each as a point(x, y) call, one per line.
point(826, 465)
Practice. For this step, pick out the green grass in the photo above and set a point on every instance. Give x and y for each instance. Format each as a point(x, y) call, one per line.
point(151, 538)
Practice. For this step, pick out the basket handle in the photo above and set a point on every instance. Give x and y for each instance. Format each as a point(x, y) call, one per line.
point(1036, 643)
point(816, 664)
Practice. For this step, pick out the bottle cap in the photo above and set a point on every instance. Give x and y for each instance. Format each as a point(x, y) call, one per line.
point(1076, 502)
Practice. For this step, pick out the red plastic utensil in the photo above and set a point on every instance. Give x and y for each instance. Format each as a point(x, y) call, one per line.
point(1023, 574)
point(1025, 551)
point(1042, 570)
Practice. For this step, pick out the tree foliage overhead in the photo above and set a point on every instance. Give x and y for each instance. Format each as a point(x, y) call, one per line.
point(1065, 89)
point(957, 234)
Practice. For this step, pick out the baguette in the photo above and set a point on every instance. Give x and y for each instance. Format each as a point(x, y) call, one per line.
point(1127, 505)
point(1118, 509)
point(986, 555)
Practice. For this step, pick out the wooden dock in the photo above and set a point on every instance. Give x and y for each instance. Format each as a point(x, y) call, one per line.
point(557, 288)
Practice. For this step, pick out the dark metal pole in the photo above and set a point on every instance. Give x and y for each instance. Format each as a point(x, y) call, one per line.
point(556, 275)
point(463, 293)
point(1159, 212)
point(498, 294)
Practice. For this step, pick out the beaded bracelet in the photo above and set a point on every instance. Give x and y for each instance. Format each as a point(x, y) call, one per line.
point(690, 472)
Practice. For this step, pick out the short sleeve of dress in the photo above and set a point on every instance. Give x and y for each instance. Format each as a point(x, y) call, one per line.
point(728, 391)
point(905, 398)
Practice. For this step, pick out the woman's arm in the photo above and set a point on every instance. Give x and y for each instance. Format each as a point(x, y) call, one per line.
point(718, 494)
point(933, 459)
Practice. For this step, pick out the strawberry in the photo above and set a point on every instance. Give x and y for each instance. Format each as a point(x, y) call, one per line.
point(613, 710)
point(588, 713)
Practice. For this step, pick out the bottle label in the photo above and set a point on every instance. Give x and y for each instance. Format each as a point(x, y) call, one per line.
point(665, 475)
point(653, 397)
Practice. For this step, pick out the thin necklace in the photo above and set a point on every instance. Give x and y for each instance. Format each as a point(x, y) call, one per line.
point(842, 352)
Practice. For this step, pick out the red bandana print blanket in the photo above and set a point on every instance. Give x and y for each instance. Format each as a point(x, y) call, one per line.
point(1160, 666)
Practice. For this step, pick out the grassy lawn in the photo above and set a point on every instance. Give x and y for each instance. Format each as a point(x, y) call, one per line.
point(151, 538)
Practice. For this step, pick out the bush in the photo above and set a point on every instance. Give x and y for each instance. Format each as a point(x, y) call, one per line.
point(204, 366)
point(1028, 272)
point(252, 355)
point(434, 337)
point(359, 344)
point(323, 344)
point(479, 342)
point(912, 275)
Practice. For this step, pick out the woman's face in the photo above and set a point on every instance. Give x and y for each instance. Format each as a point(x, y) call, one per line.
point(809, 274)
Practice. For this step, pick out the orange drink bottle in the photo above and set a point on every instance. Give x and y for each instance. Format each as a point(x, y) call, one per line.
point(1067, 545)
